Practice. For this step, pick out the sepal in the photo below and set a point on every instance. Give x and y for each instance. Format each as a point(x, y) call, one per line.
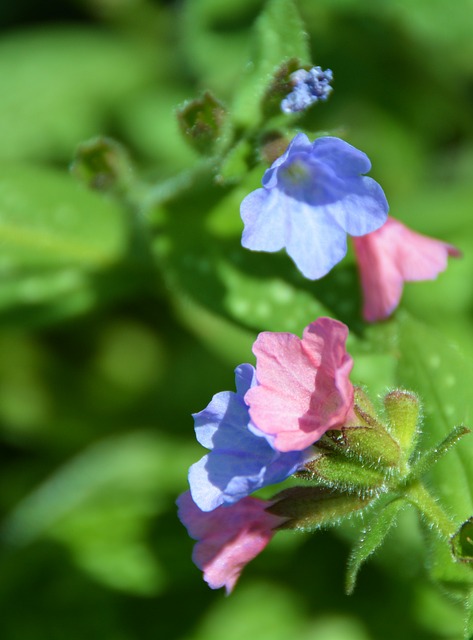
point(462, 542)
point(433, 455)
point(310, 508)
point(364, 438)
point(335, 471)
point(202, 122)
point(102, 164)
point(403, 411)
point(281, 84)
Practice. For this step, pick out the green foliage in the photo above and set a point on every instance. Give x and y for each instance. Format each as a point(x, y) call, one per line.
point(58, 84)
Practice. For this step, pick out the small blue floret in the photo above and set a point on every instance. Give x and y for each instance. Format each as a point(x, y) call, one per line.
point(309, 87)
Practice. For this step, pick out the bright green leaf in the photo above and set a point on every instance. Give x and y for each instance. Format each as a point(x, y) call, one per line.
point(57, 85)
point(48, 220)
point(279, 36)
point(432, 365)
point(372, 537)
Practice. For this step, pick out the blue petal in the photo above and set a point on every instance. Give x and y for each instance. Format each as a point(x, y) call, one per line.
point(315, 242)
point(264, 217)
point(245, 378)
point(299, 143)
point(363, 209)
point(342, 157)
point(226, 408)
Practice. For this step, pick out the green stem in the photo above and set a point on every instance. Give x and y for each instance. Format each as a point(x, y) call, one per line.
point(431, 510)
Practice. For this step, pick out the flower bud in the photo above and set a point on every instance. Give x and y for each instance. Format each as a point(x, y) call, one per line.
point(403, 411)
point(202, 122)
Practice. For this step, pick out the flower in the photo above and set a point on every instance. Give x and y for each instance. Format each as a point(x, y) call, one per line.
point(303, 385)
point(391, 256)
point(309, 87)
point(228, 537)
point(242, 458)
point(312, 196)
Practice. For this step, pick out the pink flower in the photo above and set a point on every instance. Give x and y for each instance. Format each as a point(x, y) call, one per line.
point(227, 537)
point(303, 385)
point(391, 256)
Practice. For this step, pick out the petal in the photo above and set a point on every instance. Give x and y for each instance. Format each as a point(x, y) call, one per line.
point(245, 377)
point(228, 538)
point(391, 256)
point(362, 208)
point(299, 143)
point(225, 408)
point(233, 469)
point(206, 495)
point(239, 464)
point(419, 257)
point(381, 280)
point(263, 215)
point(303, 385)
point(343, 158)
point(315, 241)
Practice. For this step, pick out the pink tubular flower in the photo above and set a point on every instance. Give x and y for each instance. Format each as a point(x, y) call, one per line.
point(228, 537)
point(303, 385)
point(391, 256)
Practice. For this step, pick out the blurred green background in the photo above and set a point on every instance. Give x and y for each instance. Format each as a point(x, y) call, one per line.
point(112, 332)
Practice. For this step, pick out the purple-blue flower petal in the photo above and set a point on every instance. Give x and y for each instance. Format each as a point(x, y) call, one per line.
point(316, 242)
point(342, 157)
point(265, 221)
point(312, 196)
point(241, 458)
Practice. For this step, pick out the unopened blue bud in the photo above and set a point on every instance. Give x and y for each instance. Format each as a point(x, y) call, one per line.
point(309, 87)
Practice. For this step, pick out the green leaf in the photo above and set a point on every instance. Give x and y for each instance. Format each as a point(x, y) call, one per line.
point(56, 237)
point(48, 220)
point(432, 365)
point(58, 84)
point(100, 504)
point(216, 40)
point(279, 36)
point(373, 536)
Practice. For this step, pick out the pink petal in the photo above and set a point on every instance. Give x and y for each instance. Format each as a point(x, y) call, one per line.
point(228, 537)
point(303, 385)
point(391, 256)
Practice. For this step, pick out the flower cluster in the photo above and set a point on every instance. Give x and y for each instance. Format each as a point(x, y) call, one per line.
point(312, 197)
point(309, 87)
point(259, 436)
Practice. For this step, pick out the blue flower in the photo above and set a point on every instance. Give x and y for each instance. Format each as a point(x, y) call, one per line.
point(309, 87)
point(312, 196)
point(241, 459)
